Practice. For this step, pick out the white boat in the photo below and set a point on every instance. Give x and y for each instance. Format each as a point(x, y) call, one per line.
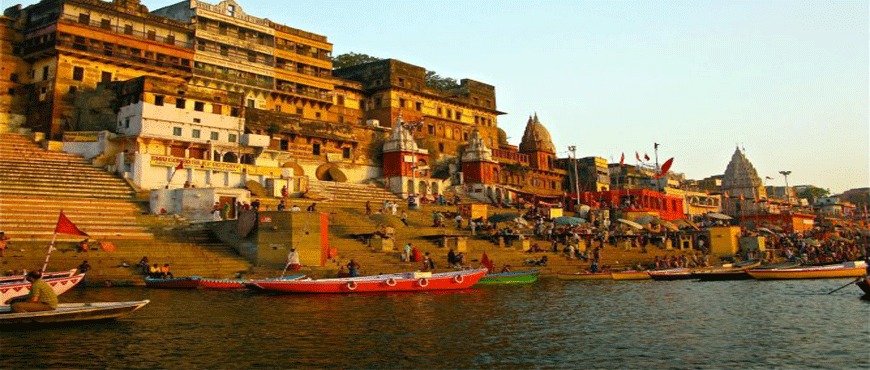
point(69, 313)
point(45, 275)
point(60, 285)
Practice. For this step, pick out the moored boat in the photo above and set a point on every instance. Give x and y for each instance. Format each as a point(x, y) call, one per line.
point(584, 275)
point(189, 282)
point(842, 270)
point(403, 282)
point(231, 284)
point(45, 275)
point(69, 313)
point(60, 285)
point(514, 277)
point(864, 284)
point(679, 273)
point(736, 271)
point(630, 275)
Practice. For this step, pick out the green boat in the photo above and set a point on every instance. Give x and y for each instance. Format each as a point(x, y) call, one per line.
point(516, 277)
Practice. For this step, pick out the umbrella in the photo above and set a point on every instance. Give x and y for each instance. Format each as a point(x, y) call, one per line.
point(718, 216)
point(502, 217)
point(643, 220)
point(670, 226)
point(765, 230)
point(687, 223)
point(630, 223)
point(566, 220)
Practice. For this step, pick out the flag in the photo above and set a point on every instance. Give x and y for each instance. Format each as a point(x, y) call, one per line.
point(180, 166)
point(486, 262)
point(665, 168)
point(65, 226)
point(768, 177)
point(636, 155)
point(622, 160)
point(645, 156)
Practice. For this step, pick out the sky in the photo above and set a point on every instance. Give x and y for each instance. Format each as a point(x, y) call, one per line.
point(785, 80)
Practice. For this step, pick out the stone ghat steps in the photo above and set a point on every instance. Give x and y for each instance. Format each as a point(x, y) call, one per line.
point(42, 181)
point(16, 147)
point(30, 218)
point(69, 205)
point(65, 190)
point(338, 191)
point(40, 172)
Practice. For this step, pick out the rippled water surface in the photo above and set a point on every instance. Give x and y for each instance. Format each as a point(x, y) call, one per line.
point(553, 324)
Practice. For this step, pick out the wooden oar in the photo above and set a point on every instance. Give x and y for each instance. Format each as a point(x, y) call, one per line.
point(849, 283)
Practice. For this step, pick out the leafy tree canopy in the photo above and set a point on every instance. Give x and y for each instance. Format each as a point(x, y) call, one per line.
point(813, 192)
point(437, 82)
point(352, 59)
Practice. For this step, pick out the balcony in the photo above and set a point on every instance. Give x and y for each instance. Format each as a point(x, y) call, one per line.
point(511, 156)
point(234, 79)
point(118, 30)
point(117, 58)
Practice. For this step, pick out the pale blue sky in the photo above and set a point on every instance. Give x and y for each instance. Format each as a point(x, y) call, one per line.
point(787, 80)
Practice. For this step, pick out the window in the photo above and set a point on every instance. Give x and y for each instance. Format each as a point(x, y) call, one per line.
point(340, 119)
point(196, 133)
point(251, 103)
point(315, 149)
point(78, 73)
point(241, 34)
point(151, 35)
point(299, 110)
point(127, 122)
point(232, 138)
point(158, 99)
point(252, 56)
point(225, 50)
point(339, 99)
point(377, 102)
point(199, 106)
point(105, 24)
point(215, 135)
point(458, 115)
point(465, 136)
point(176, 131)
point(317, 115)
point(106, 77)
point(418, 106)
point(401, 103)
point(197, 120)
point(284, 144)
point(345, 153)
point(431, 129)
point(128, 29)
point(216, 108)
point(222, 29)
point(11, 91)
point(231, 10)
point(170, 39)
point(84, 18)
point(44, 73)
point(179, 103)
point(13, 77)
point(440, 147)
point(73, 89)
point(234, 111)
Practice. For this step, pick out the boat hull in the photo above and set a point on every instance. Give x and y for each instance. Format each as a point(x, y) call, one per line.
point(69, 313)
point(584, 276)
point(671, 274)
point(406, 282)
point(849, 270)
point(191, 282)
point(721, 275)
point(9, 291)
point(45, 275)
point(630, 275)
point(234, 284)
point(517, 277)
point(864, 285)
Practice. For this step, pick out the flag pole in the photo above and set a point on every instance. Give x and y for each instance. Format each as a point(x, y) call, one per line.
point(48, 254)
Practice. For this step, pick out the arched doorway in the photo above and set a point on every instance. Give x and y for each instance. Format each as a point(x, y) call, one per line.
point(230, 157)
point(297, 169)
point(424, 187)
point(330, 172)
point(411, 187)
point(434, 188)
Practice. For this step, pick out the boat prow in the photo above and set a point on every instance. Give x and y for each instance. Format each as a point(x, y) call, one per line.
point(189, 282)
point(514, 277)
point(584, 275)
point(842, 270)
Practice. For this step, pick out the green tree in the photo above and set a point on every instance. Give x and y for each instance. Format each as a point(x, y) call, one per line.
point(352, 59)
point(437, 82)
point(812, 193)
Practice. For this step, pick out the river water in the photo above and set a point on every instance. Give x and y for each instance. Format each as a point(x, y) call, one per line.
point(552, 324)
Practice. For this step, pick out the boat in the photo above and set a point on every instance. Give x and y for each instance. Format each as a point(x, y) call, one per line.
point(402, 282)
point(189, 282)
point(864, 284)
point(584, 275)
point(45, 275)
point(69, 313)
point(736, 271)
point(679, 273)
point(232, 284)
point(60, 285)
point(514, 277)
point(630, 275)
point(842, 270)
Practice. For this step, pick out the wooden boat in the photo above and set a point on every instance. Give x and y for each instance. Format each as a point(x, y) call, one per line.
point(232, 284)
point(584, 275)
point(514, 277)
point(729, 271)
point(69, 313)
point(45, 275)
point(630, 275)
point(679, 273)
point(842, 270)
point(864, 284)
point(60, 285)
point(403, 282)
point(189, 282)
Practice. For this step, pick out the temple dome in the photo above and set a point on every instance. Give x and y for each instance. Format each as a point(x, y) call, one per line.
point(741, 174)
point(536, 138)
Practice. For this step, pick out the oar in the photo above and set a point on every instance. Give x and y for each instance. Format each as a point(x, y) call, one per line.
point(849, 283)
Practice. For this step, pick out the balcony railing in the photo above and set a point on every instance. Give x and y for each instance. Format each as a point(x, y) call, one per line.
point(234, 79)
point(115, 56)
point(117, 29)
point(504, 154)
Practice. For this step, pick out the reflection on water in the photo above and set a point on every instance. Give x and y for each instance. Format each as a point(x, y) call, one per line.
point(553, 324)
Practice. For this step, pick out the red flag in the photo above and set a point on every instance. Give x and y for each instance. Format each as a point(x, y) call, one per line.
point(645, 156)
point(665, 167)
point(622, 160)
point(180, 166)
point(486, 262)
point(637, 156)
point(65, 226)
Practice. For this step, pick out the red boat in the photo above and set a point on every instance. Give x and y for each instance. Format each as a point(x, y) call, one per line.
point(190, 282)
point(404, 282)
point(232, 284)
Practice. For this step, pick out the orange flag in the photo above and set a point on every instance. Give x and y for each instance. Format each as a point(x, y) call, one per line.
point(486, 262)
point(65, 226)
point(180, 166)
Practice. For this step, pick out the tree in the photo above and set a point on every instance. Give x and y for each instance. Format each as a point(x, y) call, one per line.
point(352, 59)
point(812, 193)
point(437, 82)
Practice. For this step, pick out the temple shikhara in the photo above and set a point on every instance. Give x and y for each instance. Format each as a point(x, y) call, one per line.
point(200, 95)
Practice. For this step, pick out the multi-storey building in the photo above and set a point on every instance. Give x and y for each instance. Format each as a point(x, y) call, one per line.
point(72, 45)
point(13, 69)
